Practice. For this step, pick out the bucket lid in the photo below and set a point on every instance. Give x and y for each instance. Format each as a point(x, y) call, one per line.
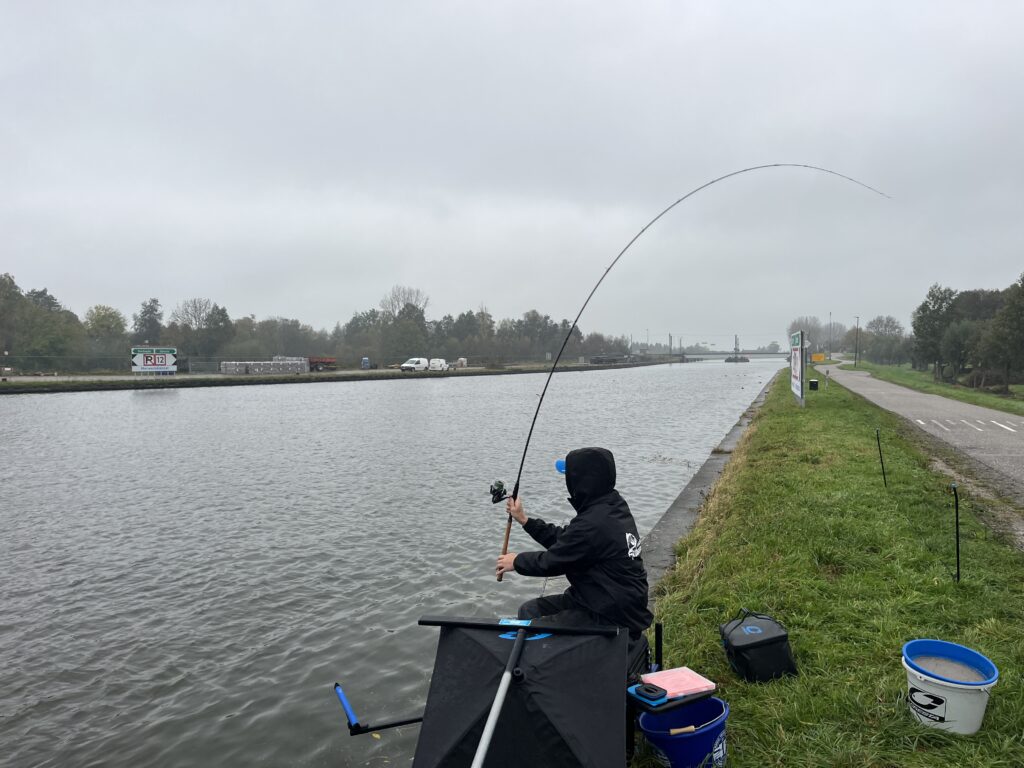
point(959, 653)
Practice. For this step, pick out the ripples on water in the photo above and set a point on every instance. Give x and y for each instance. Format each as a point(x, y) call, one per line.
point(187, 572)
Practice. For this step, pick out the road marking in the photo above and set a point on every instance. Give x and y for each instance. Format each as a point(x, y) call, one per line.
point(1008, 429)
point(919, 422)
point(965, 421)
point(940, 424)
point(950, 421)
point(980, 422)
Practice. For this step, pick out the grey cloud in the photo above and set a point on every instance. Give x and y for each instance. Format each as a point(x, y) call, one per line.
point(301, 158)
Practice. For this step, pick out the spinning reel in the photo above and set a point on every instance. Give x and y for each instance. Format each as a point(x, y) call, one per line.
point(498, 492)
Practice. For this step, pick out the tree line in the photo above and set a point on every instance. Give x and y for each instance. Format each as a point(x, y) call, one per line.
point(973, 336)
point(37, 333)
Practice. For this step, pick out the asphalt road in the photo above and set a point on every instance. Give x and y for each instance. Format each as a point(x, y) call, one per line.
point(992, 438)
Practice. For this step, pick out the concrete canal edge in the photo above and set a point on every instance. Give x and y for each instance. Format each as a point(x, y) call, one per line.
point(24, 385)
point(659, 545)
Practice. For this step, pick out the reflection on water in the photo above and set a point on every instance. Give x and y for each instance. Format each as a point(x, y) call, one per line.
point(187, 572)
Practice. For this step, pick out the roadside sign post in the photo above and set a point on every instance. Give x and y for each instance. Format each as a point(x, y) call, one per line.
point(796, 366)
point(160, 361)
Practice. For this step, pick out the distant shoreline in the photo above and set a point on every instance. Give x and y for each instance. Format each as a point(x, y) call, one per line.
point(47, 385)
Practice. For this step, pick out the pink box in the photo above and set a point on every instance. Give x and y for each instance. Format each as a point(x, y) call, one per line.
point(681, 681)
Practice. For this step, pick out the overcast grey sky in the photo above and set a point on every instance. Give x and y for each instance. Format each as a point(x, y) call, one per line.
point(298, 159)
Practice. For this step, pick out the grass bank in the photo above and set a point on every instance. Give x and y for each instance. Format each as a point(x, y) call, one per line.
point(801, 527)
point(924, 382)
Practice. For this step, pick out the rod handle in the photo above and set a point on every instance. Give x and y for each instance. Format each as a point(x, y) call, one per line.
point(504, 545)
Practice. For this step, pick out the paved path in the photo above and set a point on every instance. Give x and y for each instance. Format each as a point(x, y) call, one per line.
point(995, 439)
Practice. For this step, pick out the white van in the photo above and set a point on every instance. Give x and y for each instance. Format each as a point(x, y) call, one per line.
point(438, 364)
point(415, 364)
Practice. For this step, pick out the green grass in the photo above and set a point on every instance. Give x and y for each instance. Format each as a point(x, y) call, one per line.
point(801, 527)
point(923, 382)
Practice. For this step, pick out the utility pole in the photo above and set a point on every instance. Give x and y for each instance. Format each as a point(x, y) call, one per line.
point(670, 345)
point(856, 345)
point(830, 336)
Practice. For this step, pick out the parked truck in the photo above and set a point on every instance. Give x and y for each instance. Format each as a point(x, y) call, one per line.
point(321, 364)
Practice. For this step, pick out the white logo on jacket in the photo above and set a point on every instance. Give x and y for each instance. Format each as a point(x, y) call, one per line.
point(632, 546)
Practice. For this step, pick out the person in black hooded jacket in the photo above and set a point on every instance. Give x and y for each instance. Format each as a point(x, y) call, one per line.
point(598, 551)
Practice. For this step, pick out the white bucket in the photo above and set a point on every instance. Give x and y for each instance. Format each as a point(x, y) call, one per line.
point(940, 698)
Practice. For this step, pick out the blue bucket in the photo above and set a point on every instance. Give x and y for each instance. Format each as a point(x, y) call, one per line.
point(703, 747)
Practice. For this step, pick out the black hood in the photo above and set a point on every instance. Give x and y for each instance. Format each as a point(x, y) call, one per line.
point(589, 475)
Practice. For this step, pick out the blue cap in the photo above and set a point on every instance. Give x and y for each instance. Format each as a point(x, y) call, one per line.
point(560, 465)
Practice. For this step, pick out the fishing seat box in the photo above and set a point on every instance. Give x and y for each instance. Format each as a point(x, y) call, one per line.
point(757, 647)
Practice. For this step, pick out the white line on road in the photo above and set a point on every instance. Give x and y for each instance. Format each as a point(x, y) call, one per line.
point(981, 422)
point(950, 421)
point(965, 421)
point(940, 424)
point(919, 422)
point(1004, 426)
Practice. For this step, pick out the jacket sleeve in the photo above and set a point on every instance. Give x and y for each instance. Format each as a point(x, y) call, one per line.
point(543, 533)
point(572, 551)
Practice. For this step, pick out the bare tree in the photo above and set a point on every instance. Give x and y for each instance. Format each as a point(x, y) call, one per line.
point(836, 332)
point(884, 340)
point(815, 331)
point(194, 313)
point(399, 296)
point(886, 326)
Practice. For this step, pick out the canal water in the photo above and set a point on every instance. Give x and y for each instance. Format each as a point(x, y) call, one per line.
point(186, 573)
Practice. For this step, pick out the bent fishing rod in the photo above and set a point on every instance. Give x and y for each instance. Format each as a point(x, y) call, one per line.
point(498, 489)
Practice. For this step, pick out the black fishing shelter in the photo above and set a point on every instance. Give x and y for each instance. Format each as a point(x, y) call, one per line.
point(566, 707)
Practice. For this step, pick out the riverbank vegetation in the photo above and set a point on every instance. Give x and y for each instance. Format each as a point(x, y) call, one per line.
point(974, 338)
point(38, 333)
point(800, 526)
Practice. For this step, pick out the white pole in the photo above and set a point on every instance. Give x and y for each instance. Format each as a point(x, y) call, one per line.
point(499, 700)
point(492, 720)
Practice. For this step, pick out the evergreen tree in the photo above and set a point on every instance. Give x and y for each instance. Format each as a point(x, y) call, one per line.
point(147, 324)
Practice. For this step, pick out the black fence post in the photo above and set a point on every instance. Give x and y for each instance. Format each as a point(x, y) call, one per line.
point(956, 504)
point(878, 437)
